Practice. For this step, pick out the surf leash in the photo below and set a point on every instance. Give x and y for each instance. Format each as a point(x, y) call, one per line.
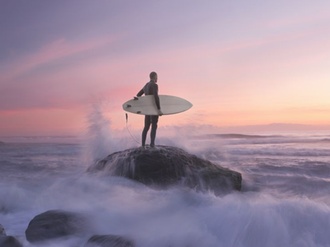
point(130, 131)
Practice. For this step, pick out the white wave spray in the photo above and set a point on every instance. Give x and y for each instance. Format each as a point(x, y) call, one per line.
point(99, 139)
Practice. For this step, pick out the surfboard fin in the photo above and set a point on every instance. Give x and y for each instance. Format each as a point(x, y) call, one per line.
point(128, 106)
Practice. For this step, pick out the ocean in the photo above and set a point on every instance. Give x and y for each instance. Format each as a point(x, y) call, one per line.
point(284, 200)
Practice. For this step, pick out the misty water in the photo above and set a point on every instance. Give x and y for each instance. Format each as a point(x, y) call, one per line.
point(284, 199)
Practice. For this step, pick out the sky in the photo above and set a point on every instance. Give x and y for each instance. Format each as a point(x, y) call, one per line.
point(240, 63)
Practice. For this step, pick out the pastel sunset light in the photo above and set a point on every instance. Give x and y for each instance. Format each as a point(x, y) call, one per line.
point(239, 62)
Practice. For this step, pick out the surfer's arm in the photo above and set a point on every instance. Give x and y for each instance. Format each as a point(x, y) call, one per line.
point(140, 93)
point(155, 93)
point(160, 113)
point(157, 101)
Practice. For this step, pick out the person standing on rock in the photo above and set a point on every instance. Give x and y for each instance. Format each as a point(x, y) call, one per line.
point(151, 88)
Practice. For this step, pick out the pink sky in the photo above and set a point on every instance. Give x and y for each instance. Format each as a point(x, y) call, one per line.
point(239, 62)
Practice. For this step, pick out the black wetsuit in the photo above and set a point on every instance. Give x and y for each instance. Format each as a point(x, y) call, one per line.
point(151, 88)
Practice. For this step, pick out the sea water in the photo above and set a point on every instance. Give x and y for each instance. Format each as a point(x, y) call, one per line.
point(284, 200)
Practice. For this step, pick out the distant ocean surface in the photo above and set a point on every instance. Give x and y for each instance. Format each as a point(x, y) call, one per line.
point(285, 199)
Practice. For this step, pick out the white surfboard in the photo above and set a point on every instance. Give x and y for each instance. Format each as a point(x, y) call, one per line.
point(146, 105)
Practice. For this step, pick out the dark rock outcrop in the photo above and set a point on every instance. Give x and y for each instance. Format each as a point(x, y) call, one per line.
point(108, 241)
point(8, 241)
point(166, 166)
point(2, 231)
point(54, 224)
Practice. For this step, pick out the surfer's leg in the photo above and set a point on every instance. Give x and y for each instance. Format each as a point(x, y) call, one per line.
point(154, 121)
point(147, 122)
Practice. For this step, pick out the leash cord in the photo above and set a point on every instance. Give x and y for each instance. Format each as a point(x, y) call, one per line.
point(130, 131)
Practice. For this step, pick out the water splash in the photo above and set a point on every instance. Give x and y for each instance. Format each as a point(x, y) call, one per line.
point(99, 139)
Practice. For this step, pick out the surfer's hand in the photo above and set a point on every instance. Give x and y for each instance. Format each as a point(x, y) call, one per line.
point(160, 113)
point(136, 98)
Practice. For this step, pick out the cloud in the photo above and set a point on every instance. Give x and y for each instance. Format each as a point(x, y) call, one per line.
point(59, 73)
point(56, 50)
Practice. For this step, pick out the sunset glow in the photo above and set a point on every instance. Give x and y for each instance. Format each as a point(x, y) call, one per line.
point(239, 62)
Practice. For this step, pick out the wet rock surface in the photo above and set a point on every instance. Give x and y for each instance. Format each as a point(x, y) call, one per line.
point(109, 241)
point(54, 224)
point(166, 166)
point(8, 241)
point(63, 225)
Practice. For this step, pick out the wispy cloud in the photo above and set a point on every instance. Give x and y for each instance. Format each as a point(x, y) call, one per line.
point(24, 83)
point(56, 50)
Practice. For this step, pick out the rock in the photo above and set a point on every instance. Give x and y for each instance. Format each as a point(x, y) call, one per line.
point(54, 224)
point(108, 241)
point(9, 241)
point(166, 166)
point(2, 231)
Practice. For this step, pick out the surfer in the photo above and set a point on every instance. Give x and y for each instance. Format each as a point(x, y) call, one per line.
point(151, 88)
